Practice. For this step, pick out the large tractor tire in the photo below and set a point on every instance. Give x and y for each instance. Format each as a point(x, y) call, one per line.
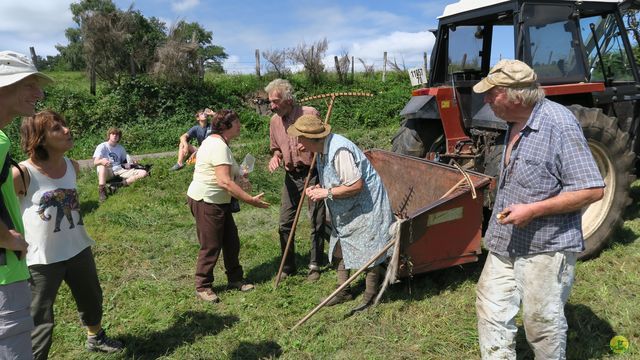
point(609, 146)
point(416, 137)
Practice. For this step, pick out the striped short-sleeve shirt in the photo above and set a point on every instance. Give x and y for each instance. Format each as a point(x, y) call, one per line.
point(551, 157)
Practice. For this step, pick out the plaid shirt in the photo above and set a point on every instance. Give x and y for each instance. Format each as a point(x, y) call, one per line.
point(551, 156)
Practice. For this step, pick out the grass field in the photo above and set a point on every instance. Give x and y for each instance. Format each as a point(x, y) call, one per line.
point(146, 250)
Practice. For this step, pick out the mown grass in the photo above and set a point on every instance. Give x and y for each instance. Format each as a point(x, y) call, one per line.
point(146, 250)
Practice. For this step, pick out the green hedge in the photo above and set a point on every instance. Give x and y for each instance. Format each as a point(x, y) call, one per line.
point(153, 114)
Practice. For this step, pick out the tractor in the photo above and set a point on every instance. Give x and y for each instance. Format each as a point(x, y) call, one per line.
point(583, 54)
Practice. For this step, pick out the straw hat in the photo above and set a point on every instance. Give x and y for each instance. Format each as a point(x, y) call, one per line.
point(507, 73)
point(310, 127)
point(15, 67)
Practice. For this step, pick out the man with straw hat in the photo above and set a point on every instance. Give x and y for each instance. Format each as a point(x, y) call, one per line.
point(20, 88)
point(356, 199)
point(548, 175)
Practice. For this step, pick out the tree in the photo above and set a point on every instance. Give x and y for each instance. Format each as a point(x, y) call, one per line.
point(116, 42)
point(71, 57)
point(342, 65)
point(147, 35)
point(79, 9)
point(210, 56)
point(107, 41)
point(277, 62)
point(178, 60)
point(368, 69)
point(310, 57)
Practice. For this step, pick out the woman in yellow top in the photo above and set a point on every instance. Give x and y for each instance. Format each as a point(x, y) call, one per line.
point(209, 197)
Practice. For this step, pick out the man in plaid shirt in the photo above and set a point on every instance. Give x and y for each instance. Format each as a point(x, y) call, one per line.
point(547, 176)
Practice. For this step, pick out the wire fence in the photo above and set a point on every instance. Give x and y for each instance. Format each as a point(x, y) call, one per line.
point(405, 62)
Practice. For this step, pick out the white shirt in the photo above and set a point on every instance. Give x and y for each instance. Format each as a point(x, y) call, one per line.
point(51, 215)
point(117, 155)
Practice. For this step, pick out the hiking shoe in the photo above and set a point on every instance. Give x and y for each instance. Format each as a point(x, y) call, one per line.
point(176, 167)
point(102, 193)
point(100, 342)
point(207, 295)
point(313, 275)
point(239, 285)
point(341, 297)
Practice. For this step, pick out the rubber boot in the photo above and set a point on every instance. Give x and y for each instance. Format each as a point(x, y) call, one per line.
point(371, 289)
point(344, 294)
point(102, 193)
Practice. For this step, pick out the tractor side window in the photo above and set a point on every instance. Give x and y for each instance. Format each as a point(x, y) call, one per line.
point(465, 49)
point(609, 40)
point(554, 43)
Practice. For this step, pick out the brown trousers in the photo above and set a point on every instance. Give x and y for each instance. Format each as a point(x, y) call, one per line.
point(292, 192)
point(216, 232)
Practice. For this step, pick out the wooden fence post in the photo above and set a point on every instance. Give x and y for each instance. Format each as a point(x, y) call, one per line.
point(384, 67)
point(335, 59)
point(426, 67)
point(352, 69)
point(34, 57)
point(92, 77)
point(424, 58)
point(258, 63)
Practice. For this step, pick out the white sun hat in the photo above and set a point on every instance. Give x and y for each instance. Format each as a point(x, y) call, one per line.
point(15, 67)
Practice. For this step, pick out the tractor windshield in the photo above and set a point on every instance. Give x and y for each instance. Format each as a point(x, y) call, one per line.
point(552, 43)
point(465, 48)
point(472, 49)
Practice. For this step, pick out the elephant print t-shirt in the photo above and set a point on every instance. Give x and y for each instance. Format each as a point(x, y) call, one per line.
point(51, 215)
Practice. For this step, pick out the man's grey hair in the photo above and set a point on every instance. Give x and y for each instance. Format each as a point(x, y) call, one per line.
point(283, 87)
point(527, 96)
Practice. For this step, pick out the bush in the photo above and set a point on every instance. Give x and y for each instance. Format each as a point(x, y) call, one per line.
point(153, 114)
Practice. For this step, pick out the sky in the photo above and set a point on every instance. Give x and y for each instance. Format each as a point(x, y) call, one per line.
point(364, 29)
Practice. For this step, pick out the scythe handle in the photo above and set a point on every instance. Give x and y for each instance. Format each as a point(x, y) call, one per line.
point(346, 283)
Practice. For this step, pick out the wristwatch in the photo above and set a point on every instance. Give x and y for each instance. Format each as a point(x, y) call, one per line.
point(329, 194)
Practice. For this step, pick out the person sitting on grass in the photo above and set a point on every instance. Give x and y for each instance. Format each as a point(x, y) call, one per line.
point(199, 133)
point(58, 250)
point(111, 159)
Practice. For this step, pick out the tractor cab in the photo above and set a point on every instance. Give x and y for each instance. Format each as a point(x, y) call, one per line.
point(583, 54)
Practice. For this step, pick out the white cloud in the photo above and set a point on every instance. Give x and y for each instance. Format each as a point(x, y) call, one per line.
point(398, 45)
point(38, 23)
point(183, 5)
point(233, 65)
point(404, 48)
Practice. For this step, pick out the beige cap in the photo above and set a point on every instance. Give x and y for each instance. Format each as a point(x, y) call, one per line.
point(15, 67)
point(310, 127)
point(507, 73)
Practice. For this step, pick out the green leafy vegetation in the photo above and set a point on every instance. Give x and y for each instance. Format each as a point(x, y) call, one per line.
point(154, 113)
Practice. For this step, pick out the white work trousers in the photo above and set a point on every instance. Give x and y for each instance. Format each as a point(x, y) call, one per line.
point(542, 283)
